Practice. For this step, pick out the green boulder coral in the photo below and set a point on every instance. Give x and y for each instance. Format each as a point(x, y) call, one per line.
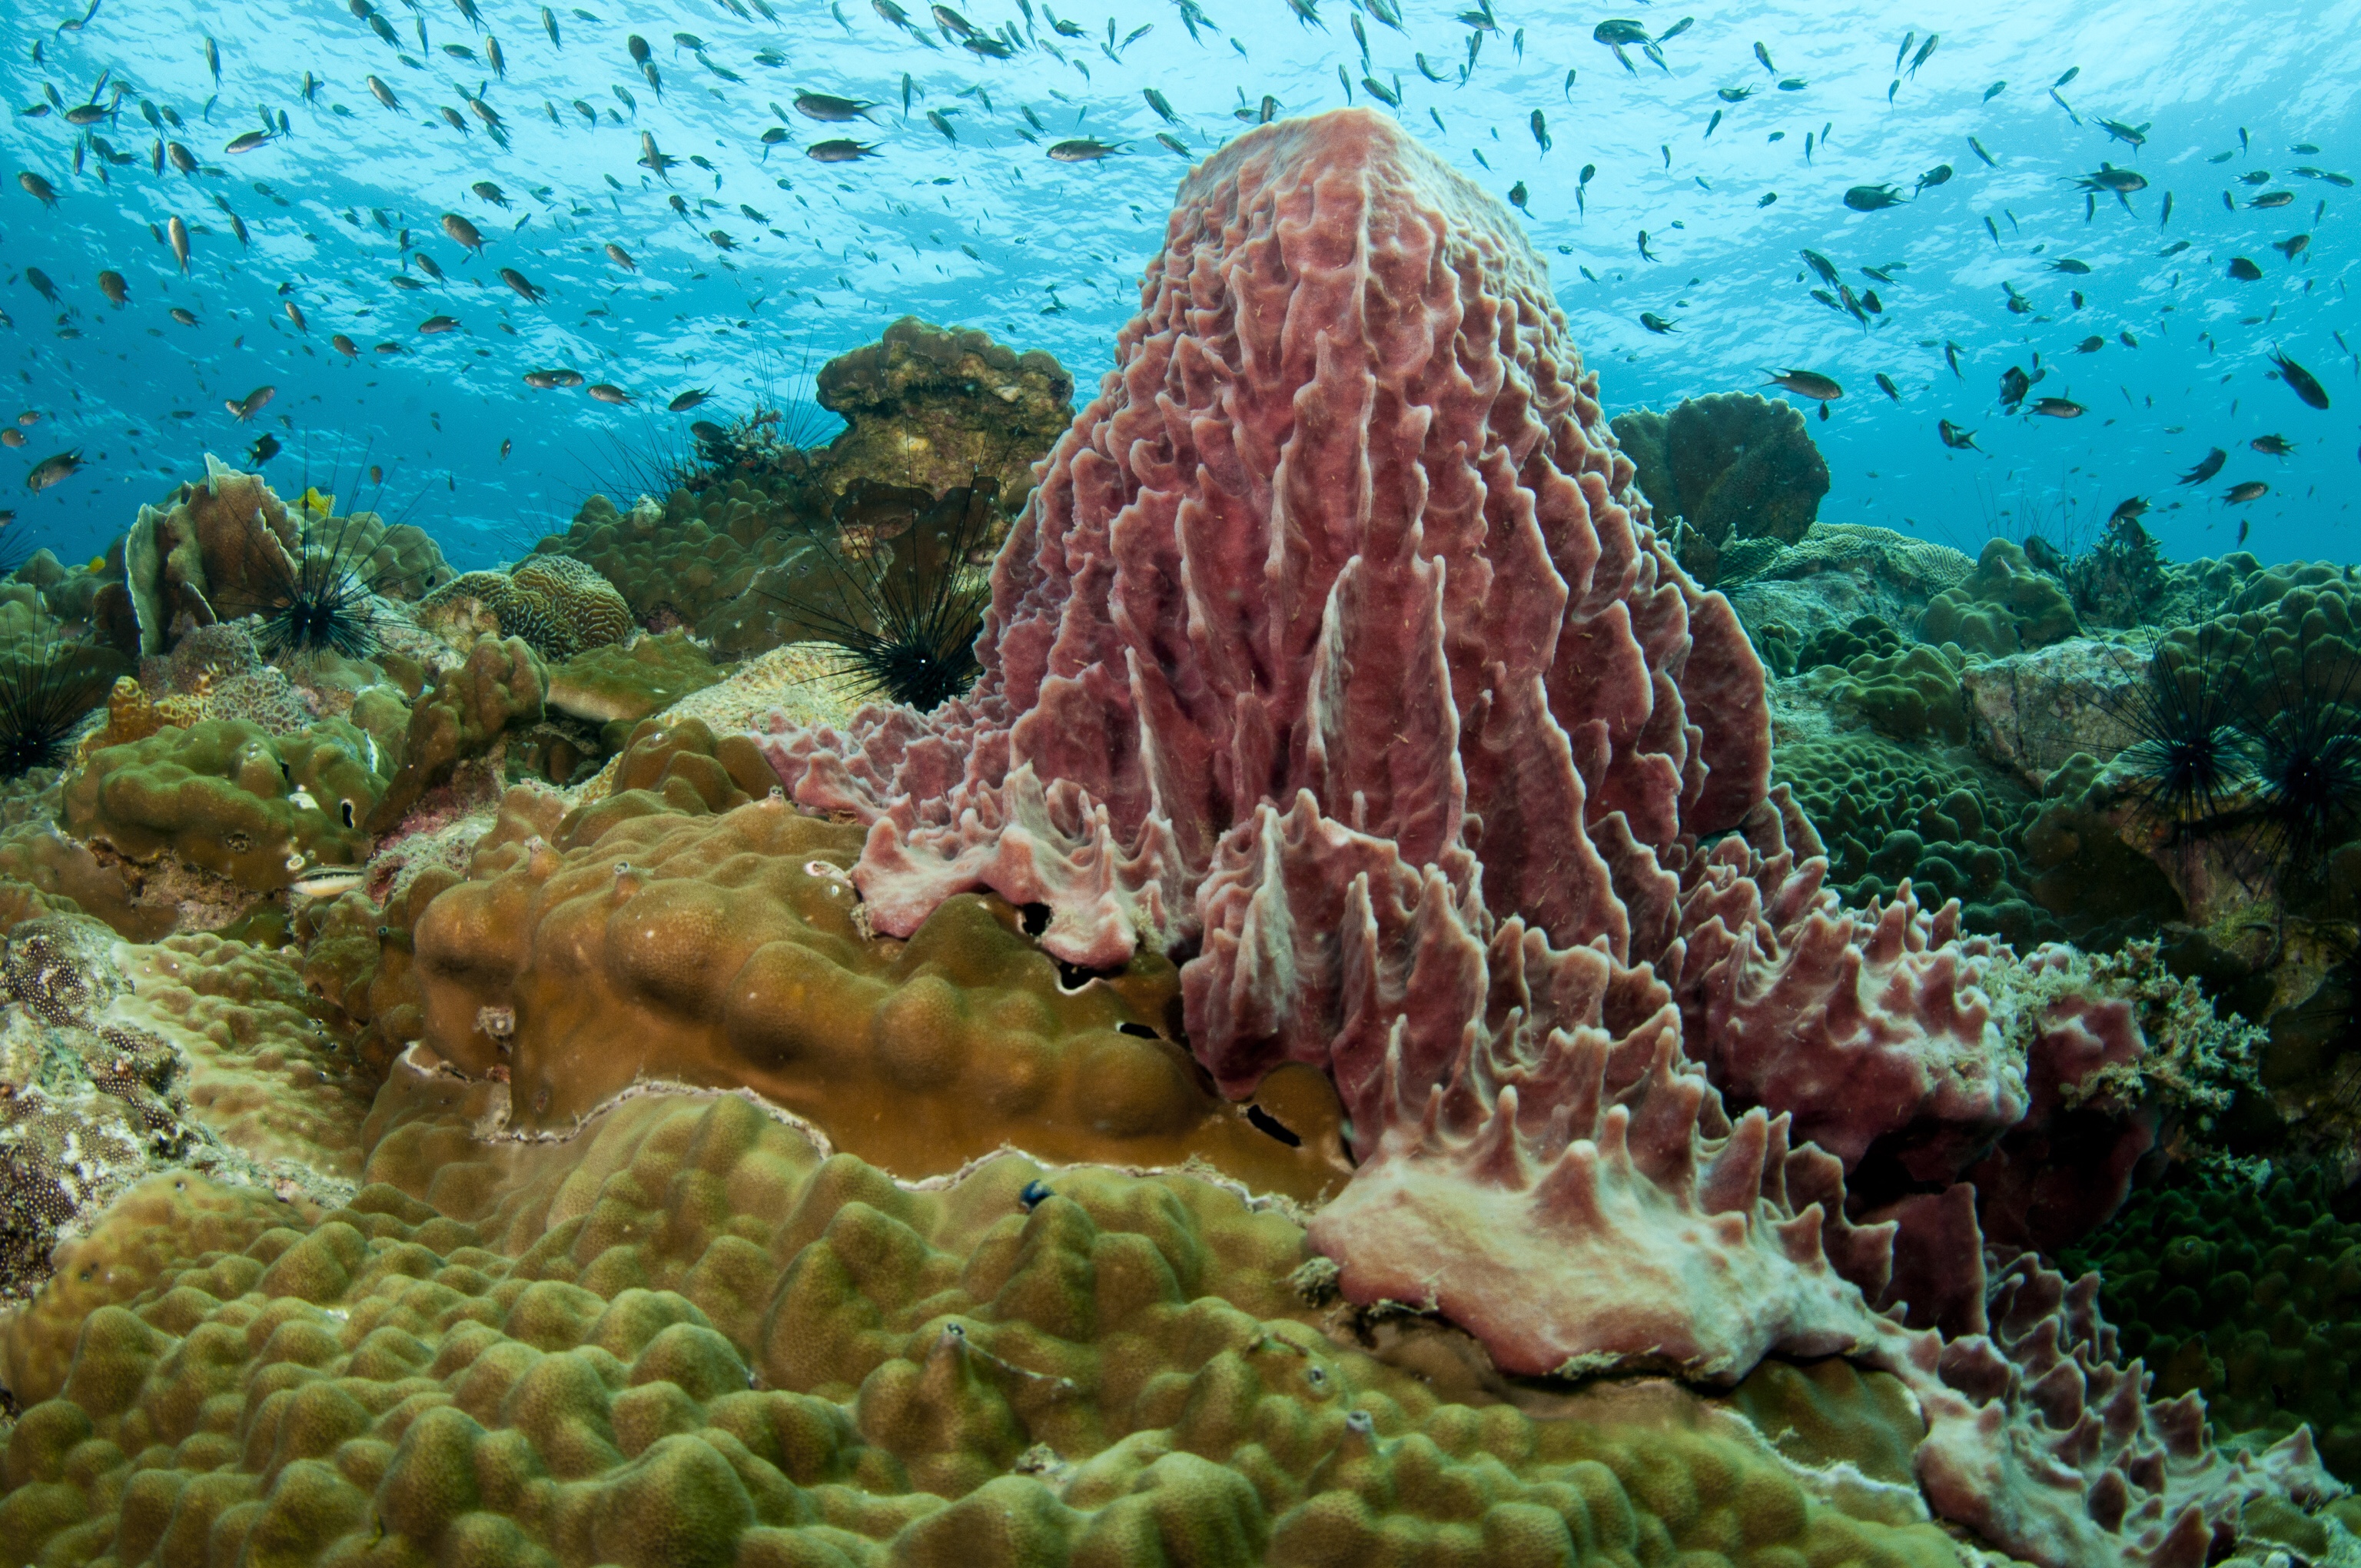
point(229, 798)
point(2002, 606)
point(2249, 1294)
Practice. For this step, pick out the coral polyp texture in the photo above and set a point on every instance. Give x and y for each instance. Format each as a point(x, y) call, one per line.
point(686, 1338)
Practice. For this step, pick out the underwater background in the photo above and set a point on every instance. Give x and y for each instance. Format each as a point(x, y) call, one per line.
point(1323, 783)
point(779, 262)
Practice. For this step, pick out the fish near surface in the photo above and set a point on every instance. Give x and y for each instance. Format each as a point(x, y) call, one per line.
point(1873, 198)
point(1806, 384)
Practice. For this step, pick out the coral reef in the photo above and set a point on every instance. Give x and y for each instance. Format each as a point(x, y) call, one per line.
point(1732, 466)
point(624, 683)
point(117, 1063)
point(934, 408)
point(2247, 1292)
point(687, 1339)
point(1345, 1046)
point(460, 715)
point(226, 537)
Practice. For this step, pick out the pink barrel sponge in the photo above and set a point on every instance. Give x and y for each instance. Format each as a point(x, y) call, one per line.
point(1344, 520)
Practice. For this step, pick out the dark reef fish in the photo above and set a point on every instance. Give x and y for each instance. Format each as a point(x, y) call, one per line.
point(831, 110)
point(1957, 439)
point(2207, 466)
point(1806, 384)
point(1873, 198)
point(2119, 182)
point(2300, 381)
point(1083, 150)
point(2249, 490)
point(844, 151)
point(53, 471)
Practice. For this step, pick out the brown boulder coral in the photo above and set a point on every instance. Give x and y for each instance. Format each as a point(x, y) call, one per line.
point(730, 949)
point(933, 407)
point(686, 1339)
point(231, 799)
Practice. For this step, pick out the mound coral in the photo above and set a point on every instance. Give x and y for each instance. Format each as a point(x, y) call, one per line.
point(460, 715)
point(933, 407)
point(2001, 607)
point(634, 941)
point(687, 1340)
point(621, 683)
point(2249, 1294)
point(1732, 466)
point(229, 798)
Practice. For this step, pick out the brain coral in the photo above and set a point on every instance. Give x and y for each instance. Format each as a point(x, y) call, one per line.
point(687, 1340)
point(558, 605)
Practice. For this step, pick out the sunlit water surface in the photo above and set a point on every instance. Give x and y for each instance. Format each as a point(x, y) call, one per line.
point(780, 261)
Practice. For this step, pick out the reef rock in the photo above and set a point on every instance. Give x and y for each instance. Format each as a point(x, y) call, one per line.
point(933, 408)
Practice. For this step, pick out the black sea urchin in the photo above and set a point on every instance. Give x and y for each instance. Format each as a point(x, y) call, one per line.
point(46, 689)
point(323, 600)
point(2306, 739)
point(2188, 760)
point(900, 591)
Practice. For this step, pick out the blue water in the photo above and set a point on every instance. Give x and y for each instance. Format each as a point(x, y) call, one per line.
point(988, 231)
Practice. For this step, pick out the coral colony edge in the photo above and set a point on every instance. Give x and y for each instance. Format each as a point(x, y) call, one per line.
point(1285, 984)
